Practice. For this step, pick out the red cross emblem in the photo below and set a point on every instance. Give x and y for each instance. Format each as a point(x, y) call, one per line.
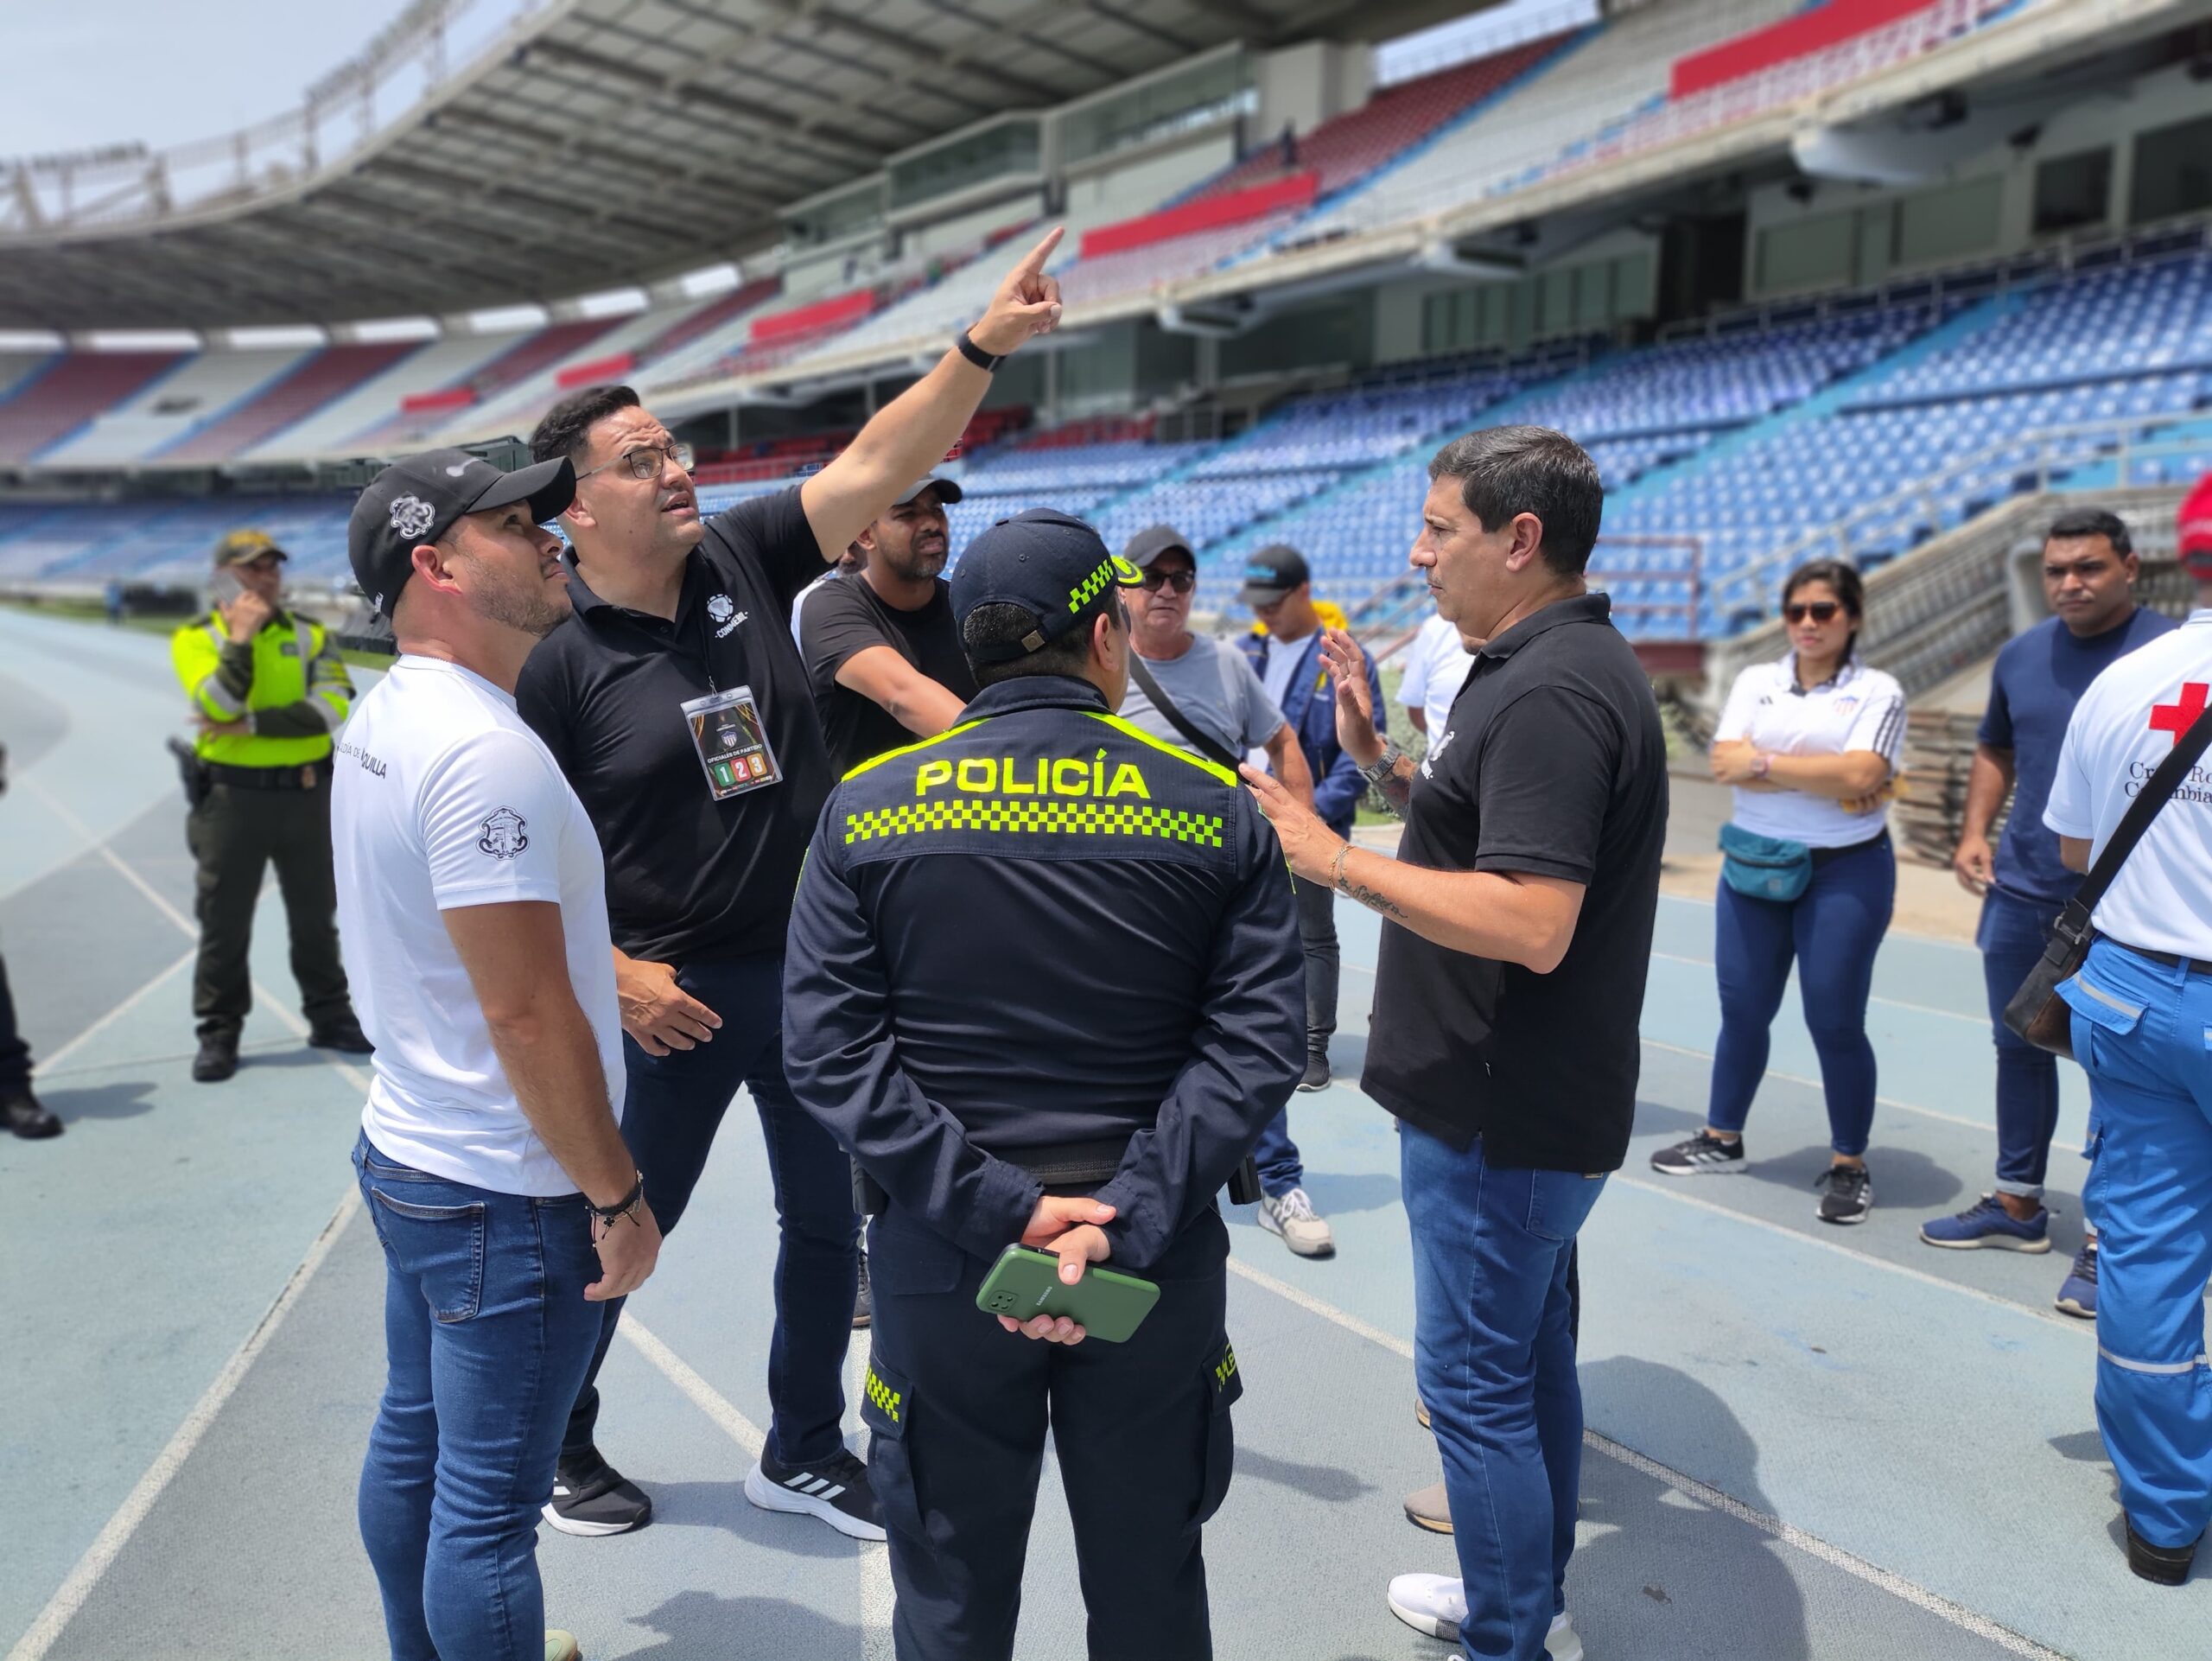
point(2178, 717)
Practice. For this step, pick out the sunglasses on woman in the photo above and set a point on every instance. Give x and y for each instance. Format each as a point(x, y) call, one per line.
point(1180, 582)
point(1820, 611)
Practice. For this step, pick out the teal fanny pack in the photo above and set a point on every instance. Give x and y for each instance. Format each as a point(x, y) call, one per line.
point(1764, 868)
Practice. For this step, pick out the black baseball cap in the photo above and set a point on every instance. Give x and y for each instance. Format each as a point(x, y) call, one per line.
point(418, 499)
point(1272, 572)
point(1149, 544)
point(947, 492)
point(1051, 565)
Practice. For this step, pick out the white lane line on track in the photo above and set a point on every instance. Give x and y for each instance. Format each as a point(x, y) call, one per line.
point(702, 1395)
point(76, 1587)
point(876, 1592)
point(108, 1544)
point(1980, 1022)
point(1835, 1557)
point(50, 1063)
point(1985, 1126)
point(874, 1564)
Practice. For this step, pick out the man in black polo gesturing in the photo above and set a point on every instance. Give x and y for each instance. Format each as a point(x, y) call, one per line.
point(675, 703)
point(1517, 933)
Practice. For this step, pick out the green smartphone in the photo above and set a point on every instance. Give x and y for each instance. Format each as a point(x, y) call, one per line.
point(1024, 1282)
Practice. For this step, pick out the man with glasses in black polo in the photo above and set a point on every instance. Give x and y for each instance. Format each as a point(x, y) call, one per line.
point(676, 705)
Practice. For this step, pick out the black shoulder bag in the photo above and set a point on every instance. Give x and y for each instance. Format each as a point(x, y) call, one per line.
point(2036, 1013)
point(1182, 724)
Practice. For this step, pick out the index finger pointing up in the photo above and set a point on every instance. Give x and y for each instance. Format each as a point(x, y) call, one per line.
point(1035, 263)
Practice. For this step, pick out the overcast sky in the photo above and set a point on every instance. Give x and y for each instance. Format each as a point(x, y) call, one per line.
point(75, 74)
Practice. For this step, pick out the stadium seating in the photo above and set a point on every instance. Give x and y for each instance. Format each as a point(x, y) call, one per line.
point(50, 404)
point(1610, 74)
point(350, 423)
point(321, 379)
point(172, 405)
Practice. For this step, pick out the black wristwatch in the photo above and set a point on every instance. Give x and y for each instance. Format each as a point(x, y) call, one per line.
point(626, 1207)
point(976, 354)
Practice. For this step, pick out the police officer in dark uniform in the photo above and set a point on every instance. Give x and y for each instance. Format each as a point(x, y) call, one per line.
point(1043, 983)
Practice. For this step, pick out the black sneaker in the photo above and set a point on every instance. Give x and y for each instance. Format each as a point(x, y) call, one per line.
point(29, 1118)
point(591, 1497)
point(344, 1034)
point(2167, 1565)
point(1703, 1155)
point(864, 1299)
point(217, 1058)
point(837, 1491)
point(1317, 1071)
point(1846, 1194)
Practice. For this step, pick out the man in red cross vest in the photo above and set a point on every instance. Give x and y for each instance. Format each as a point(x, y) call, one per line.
point(2142, 1023)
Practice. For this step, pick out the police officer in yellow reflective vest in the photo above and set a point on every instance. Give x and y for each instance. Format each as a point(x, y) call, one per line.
point(1043, 983)
point(268, 689)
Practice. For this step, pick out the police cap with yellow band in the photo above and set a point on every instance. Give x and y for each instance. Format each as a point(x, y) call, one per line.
point(1050, 565)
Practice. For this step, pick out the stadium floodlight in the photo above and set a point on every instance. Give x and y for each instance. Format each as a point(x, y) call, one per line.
point(386, 331)
point(708, 280)
point(612, 303)
point(275, 337)
point(505, 319)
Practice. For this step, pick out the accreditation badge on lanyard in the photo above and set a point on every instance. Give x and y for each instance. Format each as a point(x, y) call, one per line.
point(732, 741)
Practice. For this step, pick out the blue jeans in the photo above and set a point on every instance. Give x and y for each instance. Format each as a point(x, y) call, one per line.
point(675, 1104)
point(1494, 1358)
point(2012, 935)
point(2143, 1032)
point(486, 1337)
point(1832, 931)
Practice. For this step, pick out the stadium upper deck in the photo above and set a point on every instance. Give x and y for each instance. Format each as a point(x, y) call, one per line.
point(1209, 195)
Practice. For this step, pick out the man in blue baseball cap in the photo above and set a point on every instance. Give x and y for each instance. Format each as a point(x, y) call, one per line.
point(1044, 985)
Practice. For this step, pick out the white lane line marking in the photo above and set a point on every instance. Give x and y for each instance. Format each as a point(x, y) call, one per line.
point(1982, 1125)
point(2048, 1318)
point(1896, 1586)
point(100, 1556)
point(1835, 1557)
point(876, 1593)
point(703, 1396)
point(1981, 1021)
point(51, 1061)
point(184, 925)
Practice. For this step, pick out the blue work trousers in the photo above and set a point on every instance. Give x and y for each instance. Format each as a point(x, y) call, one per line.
point(1832, 932)
point(486, 1336)
point(2142, 1030)
point(2012, 935)
point(1494, 1358)
point(675, 1103)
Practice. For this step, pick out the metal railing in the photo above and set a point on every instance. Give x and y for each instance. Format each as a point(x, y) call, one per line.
point(128, 187)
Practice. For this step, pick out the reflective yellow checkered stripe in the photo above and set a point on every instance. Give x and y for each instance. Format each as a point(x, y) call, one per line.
point(1049, 817)
point(1113, 571)
point(888, 1400)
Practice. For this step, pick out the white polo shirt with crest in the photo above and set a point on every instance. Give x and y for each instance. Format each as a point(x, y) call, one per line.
point(443, 798)
point(1857, 708)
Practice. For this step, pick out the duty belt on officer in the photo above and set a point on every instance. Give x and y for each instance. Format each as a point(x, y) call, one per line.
point(314, 775)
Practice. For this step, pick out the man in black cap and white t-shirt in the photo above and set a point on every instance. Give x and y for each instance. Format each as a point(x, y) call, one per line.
point(472, 899)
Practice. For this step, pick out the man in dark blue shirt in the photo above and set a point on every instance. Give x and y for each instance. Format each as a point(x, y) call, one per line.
point(1043, 984)
point(2088, 575)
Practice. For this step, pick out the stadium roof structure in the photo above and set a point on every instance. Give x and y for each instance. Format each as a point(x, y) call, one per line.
point(585, 145)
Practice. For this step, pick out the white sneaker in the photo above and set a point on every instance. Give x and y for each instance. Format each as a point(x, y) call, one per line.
point(1436, 1604)
point(1292, 1216)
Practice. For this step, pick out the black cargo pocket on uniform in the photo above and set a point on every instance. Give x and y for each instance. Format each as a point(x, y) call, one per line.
point(887, 1410)
point(1224, 1385)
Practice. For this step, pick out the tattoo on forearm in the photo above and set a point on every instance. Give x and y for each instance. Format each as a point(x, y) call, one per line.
point(1374, 899)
